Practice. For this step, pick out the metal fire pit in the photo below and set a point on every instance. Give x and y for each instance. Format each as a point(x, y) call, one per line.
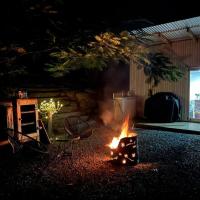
point(126, 153)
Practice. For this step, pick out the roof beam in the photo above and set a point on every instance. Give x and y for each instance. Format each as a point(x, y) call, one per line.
point(163, 38)
point(194, 37)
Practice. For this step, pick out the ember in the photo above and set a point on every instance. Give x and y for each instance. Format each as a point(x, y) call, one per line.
point(124, 147)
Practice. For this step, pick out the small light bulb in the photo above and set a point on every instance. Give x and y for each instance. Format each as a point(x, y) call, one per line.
point(111, 153)
point(126, 155)
point(133, 155)
point(124, 161)
point(122, 144)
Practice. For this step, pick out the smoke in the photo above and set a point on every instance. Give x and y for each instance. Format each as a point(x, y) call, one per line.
point(107, 117)
point(115, 79)
point(106, 111)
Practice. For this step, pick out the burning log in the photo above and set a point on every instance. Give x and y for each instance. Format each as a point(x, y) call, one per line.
point(123, 149)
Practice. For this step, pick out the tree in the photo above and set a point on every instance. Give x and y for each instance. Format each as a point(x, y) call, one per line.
point(36, 29)
point(48, 109)
point(160, 68)
point(108, 47)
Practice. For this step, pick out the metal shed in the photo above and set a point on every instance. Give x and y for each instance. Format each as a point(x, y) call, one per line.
point(180, 40)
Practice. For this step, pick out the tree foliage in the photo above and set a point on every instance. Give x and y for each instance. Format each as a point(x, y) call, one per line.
point(105, 48)
point(108, 47)
point(36, 29)
point(160, 68)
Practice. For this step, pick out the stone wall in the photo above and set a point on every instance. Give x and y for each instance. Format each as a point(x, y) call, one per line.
point(75, 103)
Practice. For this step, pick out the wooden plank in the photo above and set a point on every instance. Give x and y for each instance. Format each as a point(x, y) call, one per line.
point(10, 122)
point(4, 142)
point(27, 112)
point(26, 101)
point(28, 123)
point(192, 35)
point(23, 138)
point(163, 38)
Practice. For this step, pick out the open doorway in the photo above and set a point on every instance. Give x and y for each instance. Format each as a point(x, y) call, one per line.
point(194, 105)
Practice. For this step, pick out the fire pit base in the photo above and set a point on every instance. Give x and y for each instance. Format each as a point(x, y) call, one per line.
point(126, 153)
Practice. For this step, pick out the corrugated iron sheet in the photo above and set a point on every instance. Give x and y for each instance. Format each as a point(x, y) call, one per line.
point(174, 30)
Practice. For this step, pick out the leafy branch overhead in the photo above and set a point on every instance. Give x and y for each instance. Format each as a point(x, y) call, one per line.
point(37, 29)
point(108, 47)
point(160, 68)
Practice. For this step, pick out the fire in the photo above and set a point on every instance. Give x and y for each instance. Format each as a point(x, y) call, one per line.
point(124, 133)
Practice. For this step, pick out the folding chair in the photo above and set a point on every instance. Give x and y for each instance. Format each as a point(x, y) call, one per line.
point(76, 128)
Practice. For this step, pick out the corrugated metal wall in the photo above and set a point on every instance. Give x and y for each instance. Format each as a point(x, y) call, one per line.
point(187, 52)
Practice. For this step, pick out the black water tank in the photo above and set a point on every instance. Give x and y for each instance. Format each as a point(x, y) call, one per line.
point(163, 107)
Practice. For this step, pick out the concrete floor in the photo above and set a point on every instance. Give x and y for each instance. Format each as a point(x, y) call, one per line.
point(184, 127)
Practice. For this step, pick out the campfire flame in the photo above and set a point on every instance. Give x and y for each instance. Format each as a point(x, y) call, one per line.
point(124, 133)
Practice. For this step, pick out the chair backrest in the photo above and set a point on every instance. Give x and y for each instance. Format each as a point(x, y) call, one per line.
point(77, 125)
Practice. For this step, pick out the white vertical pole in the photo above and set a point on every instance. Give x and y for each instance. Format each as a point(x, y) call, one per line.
point(50, 126)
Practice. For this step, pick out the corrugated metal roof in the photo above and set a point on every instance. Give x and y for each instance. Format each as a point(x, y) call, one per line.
point(182, 29)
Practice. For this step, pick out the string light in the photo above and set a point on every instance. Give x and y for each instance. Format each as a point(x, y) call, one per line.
point(50, 107)
point(123, 161)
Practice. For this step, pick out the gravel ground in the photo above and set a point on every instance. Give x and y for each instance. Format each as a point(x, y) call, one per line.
point(169, 167)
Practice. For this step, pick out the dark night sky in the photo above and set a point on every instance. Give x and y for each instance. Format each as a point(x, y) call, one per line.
point(115, 12)
point(159, 11)
point(22, 26)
